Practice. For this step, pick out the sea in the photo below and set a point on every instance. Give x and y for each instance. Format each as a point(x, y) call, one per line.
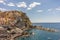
point(43, 35)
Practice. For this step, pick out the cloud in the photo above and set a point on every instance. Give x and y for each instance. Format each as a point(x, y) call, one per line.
point(29, 8)
point(32, 5)
point(50, 9)
point(2, 1)
point(21, 4)
point(58, 9)
point(11, 4)
point(3, 9)
point(39, 10)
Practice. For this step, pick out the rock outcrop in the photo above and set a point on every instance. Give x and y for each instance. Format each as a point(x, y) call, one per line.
point(15, 23)
point(12, 24)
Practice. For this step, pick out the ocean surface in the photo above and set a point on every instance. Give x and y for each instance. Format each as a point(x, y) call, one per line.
point(43, 35)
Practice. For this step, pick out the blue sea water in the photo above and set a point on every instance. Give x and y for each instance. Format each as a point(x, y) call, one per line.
point(44, 35)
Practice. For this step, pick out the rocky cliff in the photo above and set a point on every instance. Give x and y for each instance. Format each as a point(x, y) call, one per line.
point(12, 22)
point(15, 23)
point(11, 18)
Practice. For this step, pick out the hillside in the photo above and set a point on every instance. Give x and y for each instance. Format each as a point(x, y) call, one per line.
point(16, 23)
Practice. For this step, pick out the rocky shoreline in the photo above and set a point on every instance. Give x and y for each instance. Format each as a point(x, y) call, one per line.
point(15, 24)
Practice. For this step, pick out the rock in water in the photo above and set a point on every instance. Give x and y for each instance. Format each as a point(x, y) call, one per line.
point(12, 23)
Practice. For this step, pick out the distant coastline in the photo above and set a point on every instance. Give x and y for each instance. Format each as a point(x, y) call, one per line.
point(45, 22)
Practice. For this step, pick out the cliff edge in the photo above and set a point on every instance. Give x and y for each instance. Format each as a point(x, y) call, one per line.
point(14, 24)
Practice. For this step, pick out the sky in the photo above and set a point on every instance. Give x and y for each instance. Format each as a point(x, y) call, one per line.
point(38, 11)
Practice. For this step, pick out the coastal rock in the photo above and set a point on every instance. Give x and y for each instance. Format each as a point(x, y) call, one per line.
point(14, 24)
